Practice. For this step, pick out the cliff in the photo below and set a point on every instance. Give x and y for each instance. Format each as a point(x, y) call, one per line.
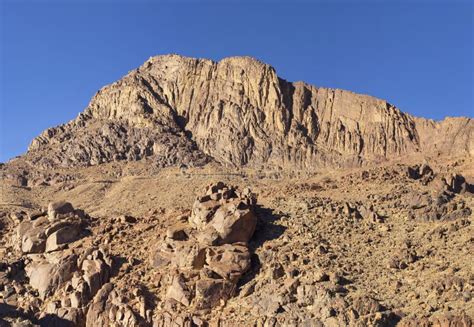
point(238, 112)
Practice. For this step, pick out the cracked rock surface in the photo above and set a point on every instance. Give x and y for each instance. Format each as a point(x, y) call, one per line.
point(177, 110)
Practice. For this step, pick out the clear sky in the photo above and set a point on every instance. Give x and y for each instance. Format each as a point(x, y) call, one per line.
point(56, 55)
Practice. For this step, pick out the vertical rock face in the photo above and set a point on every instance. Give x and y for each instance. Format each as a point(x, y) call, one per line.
point(239, 112)
point(452, 136)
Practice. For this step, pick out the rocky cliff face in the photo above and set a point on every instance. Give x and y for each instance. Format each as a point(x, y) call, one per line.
point(238, 112)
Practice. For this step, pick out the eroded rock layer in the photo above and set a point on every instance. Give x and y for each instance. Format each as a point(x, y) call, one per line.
point(238, 112)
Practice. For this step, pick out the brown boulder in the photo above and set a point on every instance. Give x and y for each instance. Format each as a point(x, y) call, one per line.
point(47, 275)
point(61, 208)
point(179, 291)
point(210, 292)
point(234, 222)
point(62, 236)
point(229, 261)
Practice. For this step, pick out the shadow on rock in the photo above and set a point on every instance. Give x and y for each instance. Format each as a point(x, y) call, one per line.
point(266, 230)
point(51, 320)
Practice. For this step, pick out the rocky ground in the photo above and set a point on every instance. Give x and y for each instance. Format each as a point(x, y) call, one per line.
point(136, 245)
point(201, 193)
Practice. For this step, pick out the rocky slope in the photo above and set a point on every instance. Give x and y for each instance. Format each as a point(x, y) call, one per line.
point(195, 193)
point(379, 246)
point(238, 112)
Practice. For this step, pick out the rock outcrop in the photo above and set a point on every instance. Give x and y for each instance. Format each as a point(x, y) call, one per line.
point(47, 233)
point(237, 111)
point(207, 254)
point(382, 246)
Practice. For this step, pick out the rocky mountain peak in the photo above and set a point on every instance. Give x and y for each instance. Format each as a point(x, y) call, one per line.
point(238, 112)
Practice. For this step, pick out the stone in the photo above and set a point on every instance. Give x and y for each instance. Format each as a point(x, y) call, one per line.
point(234, 223)
point(211, 292)
point(17, 217)
point(179, 291)
point(36, 214)
point(56, 209)
point(321, 276)
point(188, 256)
point(229, 261)
point(96, 274)
point(177, 233)
point(458, 184)
point(107, 309)
point(62, 236)
point(33, 243)
point(46, 276)
point(128, 219)
point(160, 259)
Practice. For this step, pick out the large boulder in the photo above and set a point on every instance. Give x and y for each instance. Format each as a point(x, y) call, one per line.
point(58, 209)
point(229, 261)
point(107, 309)
point(225, 215)
point(62, 226)
point(47, 275)
point(204, 259)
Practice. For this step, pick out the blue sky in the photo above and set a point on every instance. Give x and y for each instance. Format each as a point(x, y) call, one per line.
point(55, 55)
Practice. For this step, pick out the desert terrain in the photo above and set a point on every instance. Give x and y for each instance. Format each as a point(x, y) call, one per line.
point(196, 193)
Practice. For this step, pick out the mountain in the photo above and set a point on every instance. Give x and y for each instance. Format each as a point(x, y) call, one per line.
point(196, 193)
point(238, 112)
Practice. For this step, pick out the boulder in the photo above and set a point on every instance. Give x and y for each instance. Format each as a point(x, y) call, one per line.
point(179, 291)
point(61, 208)
point(47, 275)
point(107, 309)
point(211, 292)
point(62, 236)
point(234, 222)
point(177, 232)
point(96, 273)
point(229, 261)
point(33, 242)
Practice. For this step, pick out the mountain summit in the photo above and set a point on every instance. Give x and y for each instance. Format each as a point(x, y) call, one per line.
point(238, 112)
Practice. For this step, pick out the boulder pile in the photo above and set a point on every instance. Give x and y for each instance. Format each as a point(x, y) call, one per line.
point(54, 273)
point(69, 281)
point(440, 202)
point(207, 253)
point(52, 230)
